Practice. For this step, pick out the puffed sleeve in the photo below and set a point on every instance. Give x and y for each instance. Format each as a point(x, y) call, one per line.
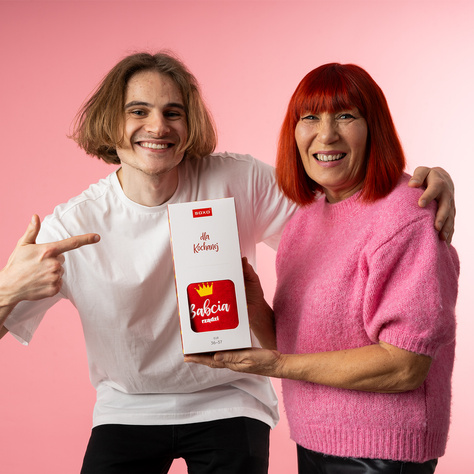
point(412, 289)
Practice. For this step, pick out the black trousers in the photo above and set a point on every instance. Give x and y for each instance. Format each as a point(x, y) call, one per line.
point(230, 446)
point(311, 462)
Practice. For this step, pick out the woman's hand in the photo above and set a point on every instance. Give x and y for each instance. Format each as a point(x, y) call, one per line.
point(254, 361)
point(261, 316)
point(439, 186)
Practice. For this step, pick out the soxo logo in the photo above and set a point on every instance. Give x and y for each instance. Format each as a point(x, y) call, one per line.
point(205, 212)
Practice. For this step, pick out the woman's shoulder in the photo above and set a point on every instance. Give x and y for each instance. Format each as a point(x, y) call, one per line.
point(403, 201)
point(398, 213)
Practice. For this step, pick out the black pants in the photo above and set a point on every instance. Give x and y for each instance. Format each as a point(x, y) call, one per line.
point(310, 462)
point(230, 446)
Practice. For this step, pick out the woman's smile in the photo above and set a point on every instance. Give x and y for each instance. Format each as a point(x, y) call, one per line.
point(329, 157)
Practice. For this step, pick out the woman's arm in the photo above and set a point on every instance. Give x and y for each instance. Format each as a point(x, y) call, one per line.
point(381, 368)
point(261, 318)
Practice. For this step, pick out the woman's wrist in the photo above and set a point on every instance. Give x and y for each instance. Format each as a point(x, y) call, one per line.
point(263, 325)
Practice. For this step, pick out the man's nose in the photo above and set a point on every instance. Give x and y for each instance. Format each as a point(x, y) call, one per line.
point(157, 125)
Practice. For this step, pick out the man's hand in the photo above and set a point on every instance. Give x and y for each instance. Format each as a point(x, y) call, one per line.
point(439, 186)
point(253, 361)
point(34, 271)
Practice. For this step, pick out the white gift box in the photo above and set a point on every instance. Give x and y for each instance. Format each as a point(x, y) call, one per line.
point(208, 275)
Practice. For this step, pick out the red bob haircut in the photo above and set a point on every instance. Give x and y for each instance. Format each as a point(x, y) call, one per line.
point(333, 88)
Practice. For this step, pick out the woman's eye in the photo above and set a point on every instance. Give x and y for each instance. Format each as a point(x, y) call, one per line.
point(309, 117)
point(139, 113)
point(346, 116)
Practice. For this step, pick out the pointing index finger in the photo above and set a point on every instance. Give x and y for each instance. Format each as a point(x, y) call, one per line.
point(74, 243)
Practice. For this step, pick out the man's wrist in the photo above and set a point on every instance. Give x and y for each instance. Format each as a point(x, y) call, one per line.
point(7, 299)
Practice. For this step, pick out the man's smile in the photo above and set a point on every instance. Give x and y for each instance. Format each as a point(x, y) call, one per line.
point(155, 146)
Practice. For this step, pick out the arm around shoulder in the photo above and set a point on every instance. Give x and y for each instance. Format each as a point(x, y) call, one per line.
point(439, 186)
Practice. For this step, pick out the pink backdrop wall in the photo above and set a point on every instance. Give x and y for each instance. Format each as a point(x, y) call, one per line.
point(248, 56)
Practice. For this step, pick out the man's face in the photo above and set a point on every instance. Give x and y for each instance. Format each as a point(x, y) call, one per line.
point(155, 126)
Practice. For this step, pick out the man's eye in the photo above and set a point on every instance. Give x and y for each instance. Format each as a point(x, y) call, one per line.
point(139, 113)
point(173, 114)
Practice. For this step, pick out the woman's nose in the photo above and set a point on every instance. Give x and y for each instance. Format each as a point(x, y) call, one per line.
point(327, 132)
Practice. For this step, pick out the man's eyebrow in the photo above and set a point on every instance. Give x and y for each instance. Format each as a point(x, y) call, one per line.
point(176, 104)
point(138, 103)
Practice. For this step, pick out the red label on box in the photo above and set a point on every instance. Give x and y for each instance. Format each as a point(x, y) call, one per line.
point(212, 306)
point(202, 212)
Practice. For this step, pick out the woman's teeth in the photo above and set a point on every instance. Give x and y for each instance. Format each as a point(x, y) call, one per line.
point(324, 157)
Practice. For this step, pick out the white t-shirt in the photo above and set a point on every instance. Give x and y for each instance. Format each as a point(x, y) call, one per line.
point(123, 288)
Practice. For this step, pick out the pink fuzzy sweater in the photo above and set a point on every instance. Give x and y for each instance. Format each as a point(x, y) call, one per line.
point(351, 274)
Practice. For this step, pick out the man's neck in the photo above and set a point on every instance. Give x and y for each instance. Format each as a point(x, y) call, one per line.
point(148, 190)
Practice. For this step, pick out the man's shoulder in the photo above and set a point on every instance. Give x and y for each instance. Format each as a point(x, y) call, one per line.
point(91, 195)
point(228, 161)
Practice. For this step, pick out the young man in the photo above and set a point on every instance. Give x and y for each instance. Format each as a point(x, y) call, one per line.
point(148, 116)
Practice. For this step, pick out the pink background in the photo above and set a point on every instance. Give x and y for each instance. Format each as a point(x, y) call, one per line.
point(248, 56)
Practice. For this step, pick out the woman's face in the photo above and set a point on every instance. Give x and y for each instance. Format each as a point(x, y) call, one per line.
point(332, 148)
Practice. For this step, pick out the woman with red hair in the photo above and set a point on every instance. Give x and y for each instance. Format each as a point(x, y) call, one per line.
point(362, 330)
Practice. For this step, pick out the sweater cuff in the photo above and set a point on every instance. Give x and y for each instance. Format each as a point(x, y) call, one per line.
point(410, 342)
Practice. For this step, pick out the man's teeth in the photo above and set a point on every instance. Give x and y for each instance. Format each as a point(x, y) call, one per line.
point(155, 146)
point(324, 157)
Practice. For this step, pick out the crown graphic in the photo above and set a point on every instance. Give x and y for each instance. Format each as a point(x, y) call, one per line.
point(204, 290)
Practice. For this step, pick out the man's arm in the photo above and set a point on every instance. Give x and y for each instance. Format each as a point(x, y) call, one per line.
point(34, 271)
point(439, 186)
point(3, 316)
